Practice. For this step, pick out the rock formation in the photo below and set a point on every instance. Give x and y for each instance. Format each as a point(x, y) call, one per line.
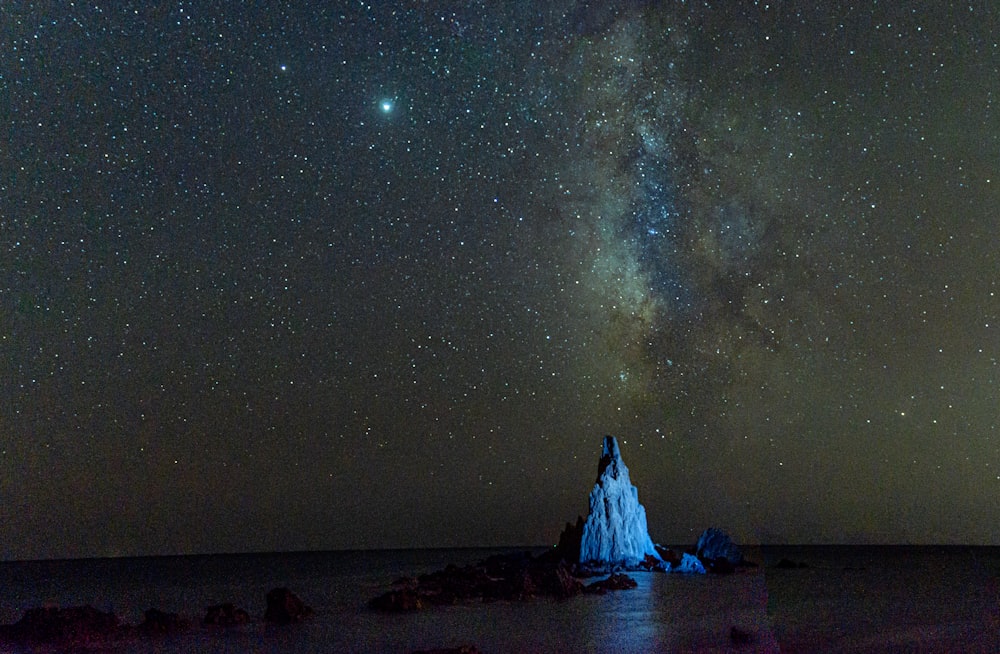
point(83, 628)
point(73, 627)
point(688, 564)
point(612, 583)
point(225, 615)
point(500, 577)
point(159, 622)
point(715, 544)
point(615, 532)
point(285, 607)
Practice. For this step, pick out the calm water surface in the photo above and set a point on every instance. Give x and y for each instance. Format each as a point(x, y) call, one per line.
point(848, 599)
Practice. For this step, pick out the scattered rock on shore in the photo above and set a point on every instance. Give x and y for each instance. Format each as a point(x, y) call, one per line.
point(71, 626)
point(225, 615)
point(284, 607)
point(669, 557)
point(158, 622)
point(501, 577)
point(614, 582)
point(398, 600)
point(87, 627)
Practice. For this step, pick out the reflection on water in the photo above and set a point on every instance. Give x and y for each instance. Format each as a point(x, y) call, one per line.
point(847, 599)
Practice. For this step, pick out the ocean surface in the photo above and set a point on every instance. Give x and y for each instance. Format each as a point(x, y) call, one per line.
point(848, 599)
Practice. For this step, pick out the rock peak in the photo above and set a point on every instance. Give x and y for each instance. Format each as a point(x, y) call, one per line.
point(611, 448)
point(610, 454)
point(615, 532)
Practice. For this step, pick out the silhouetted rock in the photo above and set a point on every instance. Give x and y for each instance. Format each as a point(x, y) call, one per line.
point(652, 563)
point(570, 539)
point(719, 566)
point(398, 601)
point(552, 576)
point(405, 582)
point(225, 615)
point(788, 564)
point(463, 649)
point(284, 607)
point(76, 626)
point(668, 556)
point(502, 577)
point(158, 622)
point(614, 582)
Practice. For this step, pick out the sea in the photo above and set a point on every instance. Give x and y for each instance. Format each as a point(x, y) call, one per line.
point(842, 599)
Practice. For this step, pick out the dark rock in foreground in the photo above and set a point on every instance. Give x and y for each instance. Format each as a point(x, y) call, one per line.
point(284, 607)
point(398, 601)
point(158, 622)
point(501, 577)
point(668, 556)
point(570, 540)
point(614, 582)
point(651, 563)
point(77, 626)
point(719, 566)
point(225, 615)
point(85, 627)
point(463, 649)
point(788, 564)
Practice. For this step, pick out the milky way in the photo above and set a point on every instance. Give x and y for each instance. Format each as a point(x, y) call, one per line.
point(686, 237)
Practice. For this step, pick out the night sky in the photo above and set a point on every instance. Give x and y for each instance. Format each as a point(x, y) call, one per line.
point(285, 276)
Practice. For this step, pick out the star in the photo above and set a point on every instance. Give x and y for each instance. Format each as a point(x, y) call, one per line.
point(386, 106)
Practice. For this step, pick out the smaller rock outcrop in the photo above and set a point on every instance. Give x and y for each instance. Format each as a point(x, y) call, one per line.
point(73, 626)
point(225, 615)
point(688, 564)
point(158, 623)
point(500, 577)
point(398, 600)
point(570, 540)
point(284, 607)
point(715, 544)
point(614, 582)
point(668, 556)
point(653, 564)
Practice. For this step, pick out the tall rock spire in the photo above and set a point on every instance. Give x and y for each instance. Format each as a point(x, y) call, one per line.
point(615, 532)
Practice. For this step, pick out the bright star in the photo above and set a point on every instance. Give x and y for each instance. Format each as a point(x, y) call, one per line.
point(386, 106)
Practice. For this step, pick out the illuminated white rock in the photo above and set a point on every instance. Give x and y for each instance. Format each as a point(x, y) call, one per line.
point(615, 532)
point(689, 564)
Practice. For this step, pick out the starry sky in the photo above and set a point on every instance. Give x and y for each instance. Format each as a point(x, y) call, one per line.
point(286, 275)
